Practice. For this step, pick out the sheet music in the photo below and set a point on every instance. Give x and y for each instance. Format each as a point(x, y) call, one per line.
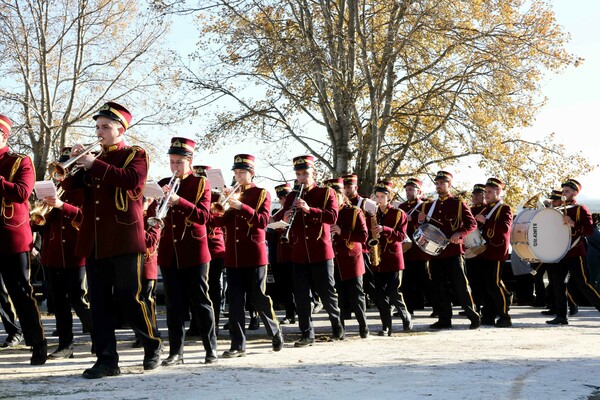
point(44, 189)
point(153, 191)
point(215, 178)
point(370, 206)
point(396, 204)
point(277, 225)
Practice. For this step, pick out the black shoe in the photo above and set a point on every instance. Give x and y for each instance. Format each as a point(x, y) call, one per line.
point(136, 344)
point(13, 340)
point(364, 332)
point(407, 324)
point(234, 353)
point(287, 321)
point(441, 325)
point(64, 352)
point(254, 324)
point(463, 313)
point(385, 332)
point(54, 333)
point(475, 323)
point(434, 314)
point(338, 332)
point(211, 358)
point(573, 310)
point(277, 341)
point(152, 360)
point(505, 322)
point(174, 359)
point(304, 342)
point(100, 371)
point(558, 321)
point(488, 321)
point(551, 311)
point(397, 314)
point(40, 353)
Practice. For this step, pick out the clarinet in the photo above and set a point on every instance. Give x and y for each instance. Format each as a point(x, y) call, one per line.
point(285, 238)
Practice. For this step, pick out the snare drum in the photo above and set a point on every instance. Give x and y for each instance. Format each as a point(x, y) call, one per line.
point(430, 239)
point(474, 244)
point(540, 235)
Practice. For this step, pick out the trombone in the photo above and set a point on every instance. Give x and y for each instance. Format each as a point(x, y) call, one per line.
point(163, 205)
point(60, 171)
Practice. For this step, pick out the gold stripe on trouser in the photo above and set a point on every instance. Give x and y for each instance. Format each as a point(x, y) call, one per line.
point(499, 285)
point(571, 299)
point(85, 289)
point(152, 304)
point(137, 296)
point(467, 286)
point(31, 293)
point(585, 281)
point(263, 288)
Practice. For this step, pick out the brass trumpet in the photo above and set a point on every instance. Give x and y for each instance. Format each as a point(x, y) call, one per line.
point(163, 205)
point(38, 214)
point(222, 205)
point(60, 171)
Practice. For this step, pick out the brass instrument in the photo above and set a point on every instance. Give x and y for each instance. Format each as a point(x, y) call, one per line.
point(534, 202)
point(38, 214)
point(374, 243)
point(222, 205)
point(285, 238)
point(162, 207)
point(60, 171)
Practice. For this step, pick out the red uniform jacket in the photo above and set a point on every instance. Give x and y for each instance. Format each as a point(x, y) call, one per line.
point(184, 241)
point(60, 233)
point(414, 253)
point(151, 256)
point(17, 176)
point(394, 224)
point(496, 232)
point(216, 242)
point(584, 226)
point(284, 250)
point(310, 235)
point(354, 201)
point(348, 244)
point(113, 221)
point(245, 244)
point(474, 211)
point(454, 216)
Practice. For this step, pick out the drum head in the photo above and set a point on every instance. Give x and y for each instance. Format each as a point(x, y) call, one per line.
point(548, 237)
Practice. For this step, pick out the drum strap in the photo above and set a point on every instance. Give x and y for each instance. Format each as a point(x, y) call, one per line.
point(430, 213)
point(415, 207)
point(493, 209)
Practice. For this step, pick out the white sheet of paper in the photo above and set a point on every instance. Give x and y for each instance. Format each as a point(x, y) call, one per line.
point(396, 204)
point(370, 206)
point(215, 178)
point(153, 190)
point(277, 225)
point(44, 189)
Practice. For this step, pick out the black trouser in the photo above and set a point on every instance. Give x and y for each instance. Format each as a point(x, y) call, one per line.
point(495, 297)
point(368, 280)
point(7, 312)
point(15, 269)
point(320, 275)
point(119, 278)
point(183, 287)
point(215, 287)
point(416, 285)
point(352, 298)
point(68, 289)
point(248, 285)
point(541, 296)
point(284, 280)
point(451, 269)
point(475, 275)
point(387, 294)
point(578, 277)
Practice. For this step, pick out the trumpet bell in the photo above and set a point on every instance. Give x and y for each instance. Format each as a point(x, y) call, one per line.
point(156, 222)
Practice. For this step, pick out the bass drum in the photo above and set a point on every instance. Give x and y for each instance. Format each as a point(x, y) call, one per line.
point(474, 244)
point(540, 235)
point(430, 239)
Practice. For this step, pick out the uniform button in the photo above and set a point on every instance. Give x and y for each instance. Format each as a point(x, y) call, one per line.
point(174, 226)
point(174, 240)
point(64, 241)
point(306, 226)
point(237, 228)
point(97, 202)
point(307, 237)
point(62, 227)
point(237, 240)
point(97, 186)
point(97, 218)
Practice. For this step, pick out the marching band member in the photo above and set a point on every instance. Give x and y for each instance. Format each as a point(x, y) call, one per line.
point(349, 233)
point(183, 254)
point(452, 216)
point(578, 217)
point(312, 252)
point(246, 257)
point(17, 176)
point(66, 271)
point(112, 187)
point(282, 268)
point(351, 192)
point(473, 265)
point(416, 283)
point(390, 229)
point(496, 221)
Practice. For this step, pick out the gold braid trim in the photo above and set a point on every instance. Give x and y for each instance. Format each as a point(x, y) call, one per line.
point(398, 217)
point(13, 171)
point(121, 199)
point(324, 204)
point(199, 193)
point(261, 200)
point(458, 221)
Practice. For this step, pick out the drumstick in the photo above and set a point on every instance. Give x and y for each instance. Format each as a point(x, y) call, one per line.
point(434, 220)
